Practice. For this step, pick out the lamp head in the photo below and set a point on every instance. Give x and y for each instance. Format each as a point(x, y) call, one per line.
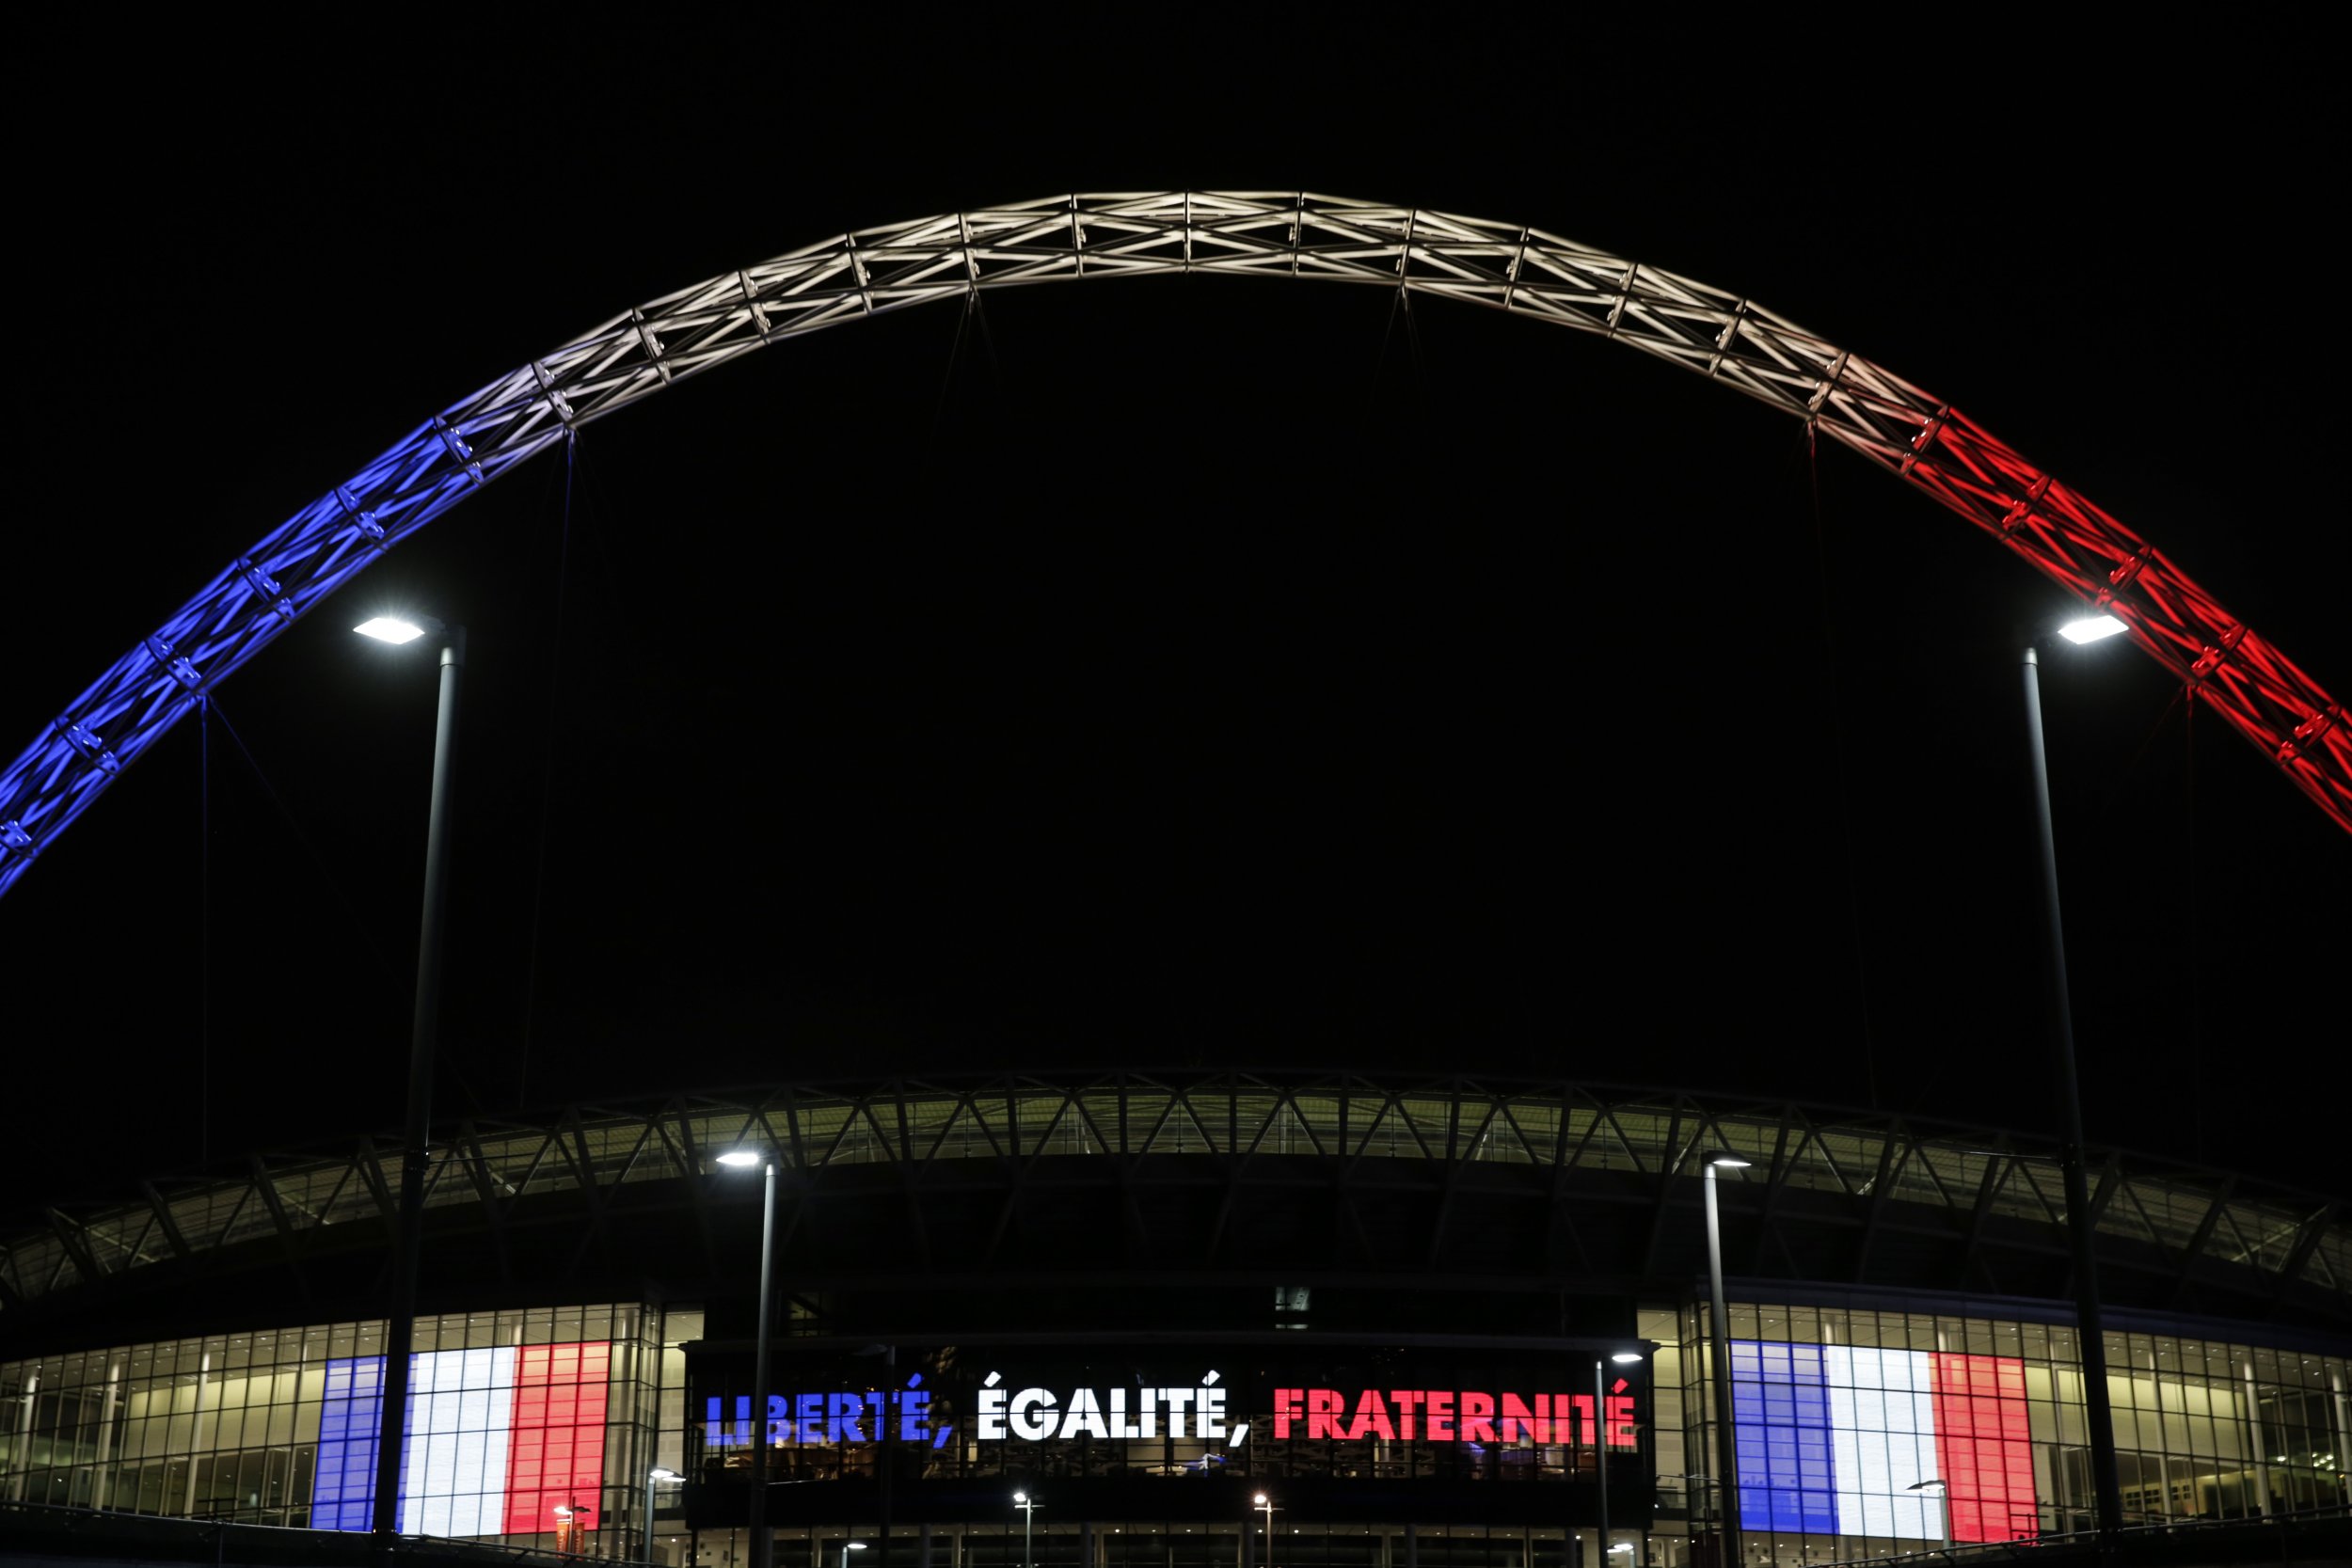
point(2091, 628)
point(1725, 1160)
point(1021, 1497)
point(659, 1474)
point(742, 1159)
point(398, 628)
point(1626, 1357)
point(1257, 1501)
point(854, 1546)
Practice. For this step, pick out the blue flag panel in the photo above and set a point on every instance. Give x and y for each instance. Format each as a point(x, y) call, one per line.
point(1780, 1421)
point(343, 1496)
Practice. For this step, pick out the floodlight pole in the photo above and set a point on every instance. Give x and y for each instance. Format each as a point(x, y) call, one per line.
point(2091, 1334)
point(401, 1329)
point(1027, 1505)
point(1600, 1451)
point(653, 1475)
point(1719, 1337)
point(763, 1550)
point(1943, 1506)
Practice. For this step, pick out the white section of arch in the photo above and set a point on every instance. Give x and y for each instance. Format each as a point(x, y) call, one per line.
point(1505, 266)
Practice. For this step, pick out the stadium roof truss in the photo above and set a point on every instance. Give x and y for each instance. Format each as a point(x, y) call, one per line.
point(1294, 235)
point(1436, 1148)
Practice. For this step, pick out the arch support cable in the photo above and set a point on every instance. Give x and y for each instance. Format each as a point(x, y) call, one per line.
point(1505, 266)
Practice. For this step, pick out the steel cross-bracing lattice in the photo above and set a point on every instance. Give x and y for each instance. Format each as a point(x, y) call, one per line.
point(954, 1171)
point(1528, 272)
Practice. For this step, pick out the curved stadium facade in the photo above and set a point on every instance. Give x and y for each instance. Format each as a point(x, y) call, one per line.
point(1387, 1306)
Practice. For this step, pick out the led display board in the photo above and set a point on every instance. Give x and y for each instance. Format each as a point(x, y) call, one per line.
point(1848, 1440)
point(947, 1414)
point(503, 1440)
point(1001, 1412)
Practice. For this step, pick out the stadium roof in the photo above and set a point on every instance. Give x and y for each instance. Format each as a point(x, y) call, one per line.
point(1224, 1175)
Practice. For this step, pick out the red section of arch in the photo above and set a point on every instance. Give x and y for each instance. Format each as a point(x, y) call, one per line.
point(555, 1454)
point(2224, 663)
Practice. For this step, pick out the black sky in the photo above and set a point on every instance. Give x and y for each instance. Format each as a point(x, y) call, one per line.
point(1176, 671)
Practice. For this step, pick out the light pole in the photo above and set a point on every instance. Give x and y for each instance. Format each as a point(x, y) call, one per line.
point(1601, 1440)
point(1943, 1505)
point(568, 1527)
point(408, 1246)
point(1027, 1505)
point(849, 1546)
point(1727, 1455)
point(652, 1476)
point(1262, 1500)
point(2091, 1331)
point(742, 1159)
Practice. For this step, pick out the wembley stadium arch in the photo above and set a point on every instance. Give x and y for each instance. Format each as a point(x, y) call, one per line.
point(1300, 236)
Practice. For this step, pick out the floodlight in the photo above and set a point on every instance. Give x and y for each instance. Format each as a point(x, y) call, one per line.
point(390, 628)
point(739, 1158)
point(1729, 1162)
point(1624, 1357)
point(2091, 628)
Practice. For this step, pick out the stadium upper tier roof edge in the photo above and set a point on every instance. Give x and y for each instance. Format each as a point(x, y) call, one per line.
point(1220, 1176)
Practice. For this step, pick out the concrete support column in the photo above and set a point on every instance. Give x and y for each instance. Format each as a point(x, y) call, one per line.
point(102, 1484)
point(195, 1428)
point(21, 1460)
point(2260, 1439)
point(2344, 1427)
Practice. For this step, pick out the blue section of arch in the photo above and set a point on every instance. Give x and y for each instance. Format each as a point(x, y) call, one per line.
point(239, 613)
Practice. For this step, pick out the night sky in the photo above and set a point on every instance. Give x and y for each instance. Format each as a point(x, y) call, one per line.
point(1175, 673)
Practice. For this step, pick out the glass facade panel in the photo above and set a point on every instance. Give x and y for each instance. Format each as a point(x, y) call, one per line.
point(1857, 1431)
point(279, 1427)
point(1975, 1427)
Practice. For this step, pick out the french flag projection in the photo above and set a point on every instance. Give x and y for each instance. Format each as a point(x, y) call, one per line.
point(1832, 1438)
point(499, 1439)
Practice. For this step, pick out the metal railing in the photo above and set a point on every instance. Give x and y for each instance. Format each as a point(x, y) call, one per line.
point(2133, 1542)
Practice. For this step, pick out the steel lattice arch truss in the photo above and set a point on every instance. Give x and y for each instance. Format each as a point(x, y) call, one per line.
point(1074, 1180)
point(1505, 266)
